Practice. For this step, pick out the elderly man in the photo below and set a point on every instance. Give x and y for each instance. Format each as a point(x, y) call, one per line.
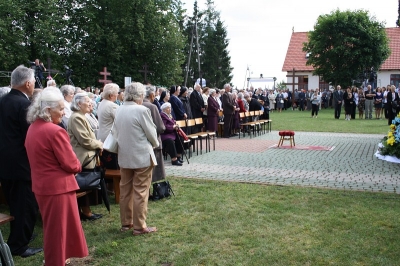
point(197, 104)
point(228, 110)
point(337, 101)
point(369, 102)
point(15, 172)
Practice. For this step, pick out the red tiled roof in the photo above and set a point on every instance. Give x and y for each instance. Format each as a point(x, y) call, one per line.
point(296, 58)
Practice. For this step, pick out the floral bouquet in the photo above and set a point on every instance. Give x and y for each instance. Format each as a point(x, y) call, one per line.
point(391, 142)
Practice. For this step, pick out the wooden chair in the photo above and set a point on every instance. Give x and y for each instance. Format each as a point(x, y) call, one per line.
point(183, 125)
point(202, 135)
point(194, 138)
point(250, 124)
point(267, 123)
point(4, 248)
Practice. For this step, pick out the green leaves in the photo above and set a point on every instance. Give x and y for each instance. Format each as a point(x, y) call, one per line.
point(343, 44)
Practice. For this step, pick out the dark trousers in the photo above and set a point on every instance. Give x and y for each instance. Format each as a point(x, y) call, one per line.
point(172, 147)
point(24, 208)
point(338, 109)
point(228, 118)
point(353, 110)
point(301, 102)
point(314, 109)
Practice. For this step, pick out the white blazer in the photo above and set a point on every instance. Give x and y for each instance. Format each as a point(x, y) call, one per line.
point(106, 115)
point(136, 135)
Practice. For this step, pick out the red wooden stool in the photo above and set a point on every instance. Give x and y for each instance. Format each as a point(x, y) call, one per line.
point(286, 135)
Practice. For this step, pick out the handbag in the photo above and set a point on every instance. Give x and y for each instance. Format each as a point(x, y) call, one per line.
point(90, 178)
point(281, 101)
point(111, 144)
point(162, 190)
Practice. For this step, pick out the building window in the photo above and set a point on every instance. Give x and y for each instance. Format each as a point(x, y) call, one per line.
point(323, 85)
point(395, 80)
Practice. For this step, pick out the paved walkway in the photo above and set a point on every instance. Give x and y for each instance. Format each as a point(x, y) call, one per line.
point(351, 165)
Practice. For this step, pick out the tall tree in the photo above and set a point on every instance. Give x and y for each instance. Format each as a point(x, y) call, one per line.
point(343, 44)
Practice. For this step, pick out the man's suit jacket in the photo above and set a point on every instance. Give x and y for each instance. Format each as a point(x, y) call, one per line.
point(106, 115)
point(14, 163)
point(254, 105)
point(155, 114)
point(196, 103)
point(337, 96)
point(83, 139)
point(177, 107)
point(228, 104)
point(136, 135)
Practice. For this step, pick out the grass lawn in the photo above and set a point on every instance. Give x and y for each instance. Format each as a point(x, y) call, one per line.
point(219, 223)
point(226, 223)
point(302, 121)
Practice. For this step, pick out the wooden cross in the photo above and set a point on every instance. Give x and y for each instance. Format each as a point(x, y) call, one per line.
point(105, 74)
point(145, 71)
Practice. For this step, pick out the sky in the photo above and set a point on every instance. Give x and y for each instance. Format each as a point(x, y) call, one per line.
point(259, 31)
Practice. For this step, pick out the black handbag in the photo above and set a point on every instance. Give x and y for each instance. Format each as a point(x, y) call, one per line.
point(90, 178)
point(162, 190)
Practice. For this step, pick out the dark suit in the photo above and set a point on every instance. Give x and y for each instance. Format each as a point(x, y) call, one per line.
point(177, 107)
point(228, 110)
point(15, 172)
point(391, 114)
point(337, 97)
point(196, 103)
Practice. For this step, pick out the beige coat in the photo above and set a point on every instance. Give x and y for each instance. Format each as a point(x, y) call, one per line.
point(136, 136)
point(106, 115)
point(82, 138)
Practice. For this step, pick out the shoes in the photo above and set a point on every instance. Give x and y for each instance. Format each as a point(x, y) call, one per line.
point(94, 216)
point(147, 230)
point(30, 252)
point(234, 135)
point(125, 228)
point(180, 159)
point(176, 162)
point(33, 237)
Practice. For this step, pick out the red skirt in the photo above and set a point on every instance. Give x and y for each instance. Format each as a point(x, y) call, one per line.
point(63, 235)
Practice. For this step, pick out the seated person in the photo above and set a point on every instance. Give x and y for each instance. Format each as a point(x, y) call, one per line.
point(169, 138)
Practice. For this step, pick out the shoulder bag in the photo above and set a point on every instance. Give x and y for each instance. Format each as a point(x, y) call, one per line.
point(111, 144)
point(90, 178)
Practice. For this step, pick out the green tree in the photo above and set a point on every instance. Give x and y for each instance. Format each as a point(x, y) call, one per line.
point(343, 44)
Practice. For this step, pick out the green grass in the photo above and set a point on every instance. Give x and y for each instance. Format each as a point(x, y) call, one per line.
point(301, 121)
point(222, 223)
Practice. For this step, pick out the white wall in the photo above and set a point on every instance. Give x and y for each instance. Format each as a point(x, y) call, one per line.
point(383, 78)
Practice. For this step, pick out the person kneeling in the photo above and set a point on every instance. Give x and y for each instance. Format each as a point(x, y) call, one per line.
point(169, 138)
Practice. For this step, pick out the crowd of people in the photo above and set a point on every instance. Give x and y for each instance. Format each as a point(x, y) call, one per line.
point(49, 135)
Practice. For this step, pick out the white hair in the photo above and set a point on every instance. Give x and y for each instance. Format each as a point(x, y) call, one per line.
point(47, 99)
point(20, 75)
point(79, 98)
point(134, 92)
point(109, 89)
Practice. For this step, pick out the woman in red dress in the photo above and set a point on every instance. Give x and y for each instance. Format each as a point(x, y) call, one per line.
point(53, 168)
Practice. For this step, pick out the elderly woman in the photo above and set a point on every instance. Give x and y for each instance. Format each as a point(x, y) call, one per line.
point(137, 137)
point(84, 144)
point(159, 170)
point(212, 111)
point(106, 114)
point(53, 168)
point(68, 92)
point(169, 138)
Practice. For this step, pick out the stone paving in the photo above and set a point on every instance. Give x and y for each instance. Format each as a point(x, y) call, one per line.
point(351, 165)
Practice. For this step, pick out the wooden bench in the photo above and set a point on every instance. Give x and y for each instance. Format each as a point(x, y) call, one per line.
point(82, 193)
point(115, 176)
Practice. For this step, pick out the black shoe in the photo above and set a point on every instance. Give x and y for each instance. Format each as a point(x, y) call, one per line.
point(234, 134)
point(32, 237)
point(180, 159)
point(30, 252)
point(90, 218)
point(177, 163)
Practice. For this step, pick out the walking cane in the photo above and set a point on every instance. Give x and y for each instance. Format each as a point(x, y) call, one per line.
point(183, 148)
